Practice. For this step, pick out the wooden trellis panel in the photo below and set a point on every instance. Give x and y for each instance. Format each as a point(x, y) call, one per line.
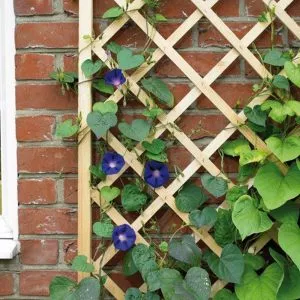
point(201, 86)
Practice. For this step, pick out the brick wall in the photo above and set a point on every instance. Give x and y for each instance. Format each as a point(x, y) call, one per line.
point(46, 38)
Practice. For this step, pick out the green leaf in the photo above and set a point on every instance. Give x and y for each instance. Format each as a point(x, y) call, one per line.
point(160, 18)
point(225, 294)
point(162, 157)
point(61, 287)
point(113, 12)
point(169, 278)
point(164, 247)
point(245, 209)
point(285, 149)
point(127, 60)
point(114, 47)
point(234, 193)
point(129, 268)
point(80, 264)
point(109, 193)
point(279, 111)
point(281, 82)
point(294, 106)
point(156, 147)
point(293, 72)
point(236, 147)
point(138, 130)
point(103, 229)
point(105, 107)
point(252, 157)
point(159, 89)
point(66, 129)
point(229, 266)
point(289, 240)
point(148, 267)
point(141, 254)
point(189, 198)
point(289, 212)
point(274, 187)
point(102, 87)
point(132, 198)
point(246, 172)
point(263, 287)
point(185, 250)
point(224, 230)
point(256, 115)
point(256, 262)
point(101, 123)
point(275, 57)
point(133, 294)
point(90, 68)
point(217, 186)
point(97, 172)
point(206, 217)
point(153, 113)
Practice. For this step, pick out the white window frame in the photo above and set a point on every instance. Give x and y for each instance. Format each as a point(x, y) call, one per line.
point(9, 218)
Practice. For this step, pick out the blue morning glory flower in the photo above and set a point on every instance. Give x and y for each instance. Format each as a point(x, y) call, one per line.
point(112, 163)
point(114, 77)
point(156, 173)
point(123, 237)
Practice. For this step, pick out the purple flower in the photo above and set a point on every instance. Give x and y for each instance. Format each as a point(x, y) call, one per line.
point(112, 163)
point(156, 173)
point(114, 77)
point(123, 237)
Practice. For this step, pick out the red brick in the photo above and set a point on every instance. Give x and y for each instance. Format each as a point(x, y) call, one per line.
point(71, 6)
point(210, 36)
point(177, 9)
point(37, 191)
point(48, 96)
point(234, 94)
point(70, 63)
point(6, 284)
point(36, 283)
point(201, 62)
point(34, 66)
point(44, 160)
point(205, 125)
point(294, 9)
point(47, 35)
point(33, 7)
point(39, 252)
point(70, 250)
point(70, 190)
point(35, 128)
point(228, 8)
point(254, 7)
point(47, 221)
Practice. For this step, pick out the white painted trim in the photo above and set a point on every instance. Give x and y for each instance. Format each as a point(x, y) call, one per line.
point(9, 217)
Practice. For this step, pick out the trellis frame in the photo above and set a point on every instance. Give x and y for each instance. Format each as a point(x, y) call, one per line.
point(201, 85)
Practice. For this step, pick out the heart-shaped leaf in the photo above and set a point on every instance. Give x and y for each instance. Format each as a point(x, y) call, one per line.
point(234, 193)
point(109, 193)
point(275, 57)
point(225, 294)
point(138, 130)
point(66, 129)
point(105, 107)
point(217, 186)
point(293, 72)
point(129, 268)
point(256, 262)
point(61, 287)
point(162, 157)
point(159, 89)
point(252, 156)
point(279, 111)
point(206, 217)
point(281, 82)
point(88, 289)
point(90, 68)
point(157, 146)
point(113, 12)
point(80, 264)
point(141, 254)
point(236, 147)
point(274, 187)
point(285, 149)
point(102, 87)
point(189, 198)
point(289, 240)
point(103, 229)
point(132, 198)
point(230, 266)
point(127, 60)
point(101, 123)
point(245, 209)
point(264, 286)
point(256, 115)
point(185, 250)
point(289, 212)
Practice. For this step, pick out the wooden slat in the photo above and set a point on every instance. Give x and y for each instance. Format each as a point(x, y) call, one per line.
point(84, 147)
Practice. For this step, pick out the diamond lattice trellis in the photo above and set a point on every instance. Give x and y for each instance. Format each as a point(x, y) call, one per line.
point(201, 86)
